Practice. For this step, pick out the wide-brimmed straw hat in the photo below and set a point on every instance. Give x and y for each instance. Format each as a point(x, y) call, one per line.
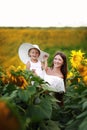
point(23, 52)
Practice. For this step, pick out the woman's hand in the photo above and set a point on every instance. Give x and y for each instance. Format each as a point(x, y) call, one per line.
point(45, 57)
point(44, 62)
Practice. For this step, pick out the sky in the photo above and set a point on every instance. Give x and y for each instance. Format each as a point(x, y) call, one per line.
point(43, 13)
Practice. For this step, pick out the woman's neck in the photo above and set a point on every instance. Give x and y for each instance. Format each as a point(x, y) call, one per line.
point(57, 70)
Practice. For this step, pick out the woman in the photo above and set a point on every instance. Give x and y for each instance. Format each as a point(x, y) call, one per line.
point(56, 75)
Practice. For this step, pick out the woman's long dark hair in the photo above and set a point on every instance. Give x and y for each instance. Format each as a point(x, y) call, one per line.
point(64, 66)
point(58, 95)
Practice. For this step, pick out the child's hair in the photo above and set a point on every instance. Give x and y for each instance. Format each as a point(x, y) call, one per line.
point(31, 49)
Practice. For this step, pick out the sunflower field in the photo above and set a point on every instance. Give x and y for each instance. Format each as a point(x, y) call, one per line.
point(26, 103)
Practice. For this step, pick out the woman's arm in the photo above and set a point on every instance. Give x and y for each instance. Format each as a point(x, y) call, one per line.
point(44, 62)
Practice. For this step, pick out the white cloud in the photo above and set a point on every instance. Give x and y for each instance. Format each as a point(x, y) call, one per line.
point(43, 13)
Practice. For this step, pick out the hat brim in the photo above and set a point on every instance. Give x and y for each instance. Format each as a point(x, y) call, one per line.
point(23, 52)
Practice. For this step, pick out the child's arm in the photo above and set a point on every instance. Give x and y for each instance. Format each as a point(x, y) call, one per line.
point(28, 65)
point(28, 68)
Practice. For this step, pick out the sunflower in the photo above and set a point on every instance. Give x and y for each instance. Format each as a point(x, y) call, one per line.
point(85, 79)
point(70, 74)
point(76, 58)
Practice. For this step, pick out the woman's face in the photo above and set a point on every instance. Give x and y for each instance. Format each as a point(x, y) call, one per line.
point(58, 61)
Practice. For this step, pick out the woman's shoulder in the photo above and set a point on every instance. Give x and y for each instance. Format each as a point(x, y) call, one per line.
point(61, 76)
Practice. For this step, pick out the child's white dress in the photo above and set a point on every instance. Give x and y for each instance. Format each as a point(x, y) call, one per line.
point(55, 82)
point(37, 67)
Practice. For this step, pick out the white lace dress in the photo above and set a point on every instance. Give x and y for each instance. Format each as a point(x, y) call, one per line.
point(37, 67)
point(55, 82)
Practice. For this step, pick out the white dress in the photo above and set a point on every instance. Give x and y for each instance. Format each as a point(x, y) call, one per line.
point(55, 82)
point(37, 67)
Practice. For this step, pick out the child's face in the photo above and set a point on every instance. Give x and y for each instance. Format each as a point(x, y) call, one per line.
point(34, 53)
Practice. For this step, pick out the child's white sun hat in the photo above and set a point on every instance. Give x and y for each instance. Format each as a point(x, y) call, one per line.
point(23, 52)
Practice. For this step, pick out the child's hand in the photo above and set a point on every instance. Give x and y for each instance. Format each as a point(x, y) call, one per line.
point(34, 71)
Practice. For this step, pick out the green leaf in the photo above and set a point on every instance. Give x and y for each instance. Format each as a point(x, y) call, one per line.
point(31, 90)
point(9, 88)
point(83, 125)
point(84, 105)
point(13, 94)
point(83, 114)
point(74, 125)
point(47, 87)
point(41, 111)
point(49, 125)
point(24, 95)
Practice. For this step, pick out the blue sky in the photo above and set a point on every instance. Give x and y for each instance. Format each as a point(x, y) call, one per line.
point(43, 13)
